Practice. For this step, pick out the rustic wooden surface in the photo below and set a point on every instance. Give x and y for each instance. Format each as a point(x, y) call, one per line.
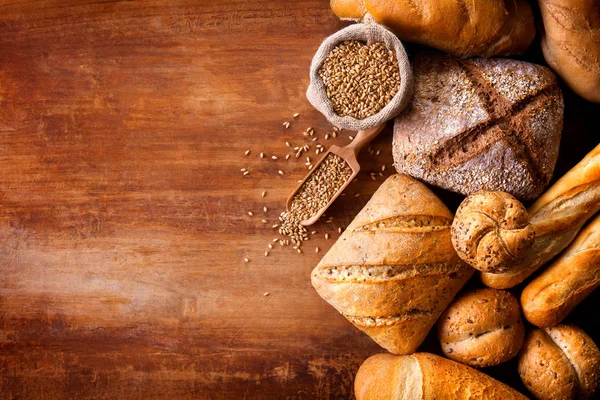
point(123, 211)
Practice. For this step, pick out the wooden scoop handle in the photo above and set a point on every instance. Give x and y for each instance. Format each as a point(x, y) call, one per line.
point(348, 153)
point(363, 137)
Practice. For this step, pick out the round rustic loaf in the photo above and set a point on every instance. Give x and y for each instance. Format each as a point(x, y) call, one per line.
point(561, 362)
point(482, 328)
point(480, 124)
point(491, 231)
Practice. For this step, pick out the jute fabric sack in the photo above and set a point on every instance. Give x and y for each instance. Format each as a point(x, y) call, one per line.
point(367, 31)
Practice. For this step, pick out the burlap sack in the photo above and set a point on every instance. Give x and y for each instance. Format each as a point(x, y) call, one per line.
point(368, 31)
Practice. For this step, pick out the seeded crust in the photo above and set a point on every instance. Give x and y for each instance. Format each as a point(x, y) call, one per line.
point(482, 328)
point(491, 231)
point(480, 125)
point(393, 270)
point(561, 362)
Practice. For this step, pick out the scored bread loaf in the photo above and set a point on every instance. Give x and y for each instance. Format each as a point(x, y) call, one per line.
point(561, 362)
point(424, 376)
point(550, 297)
point(556, 216)
point(393, 270)
point(482, 328)
point(480, 124)
point(571, 43)
point(485, 28)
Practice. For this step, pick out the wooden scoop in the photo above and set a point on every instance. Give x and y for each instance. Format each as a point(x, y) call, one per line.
point(348, 153)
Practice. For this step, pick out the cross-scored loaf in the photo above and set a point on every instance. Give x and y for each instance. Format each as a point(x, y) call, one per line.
point(394, 270)
point(480, 124)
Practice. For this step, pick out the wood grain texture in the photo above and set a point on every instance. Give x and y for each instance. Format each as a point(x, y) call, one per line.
point(123, 211)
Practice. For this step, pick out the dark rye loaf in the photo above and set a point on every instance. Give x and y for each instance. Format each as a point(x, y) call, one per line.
point(480, 124)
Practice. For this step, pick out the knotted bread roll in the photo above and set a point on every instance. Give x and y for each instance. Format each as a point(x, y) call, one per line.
point(491, 231)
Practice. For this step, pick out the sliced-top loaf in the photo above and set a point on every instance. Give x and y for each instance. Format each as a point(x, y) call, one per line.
point(394, 270)
point(480, 125)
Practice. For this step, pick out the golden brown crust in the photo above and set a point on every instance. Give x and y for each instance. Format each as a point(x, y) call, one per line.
point(544, 369)
point(571, 43)
point(561, 362)
point(425, 376)
point(557, 216)
point(550, 297)
point(490, 28)
point(491, 231)
point(393, 271)
point(446, 379)
point(348, 9)
point(482, 328)
point(385, 376)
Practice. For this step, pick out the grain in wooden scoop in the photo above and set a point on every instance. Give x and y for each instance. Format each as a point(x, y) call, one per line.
point(313, 195)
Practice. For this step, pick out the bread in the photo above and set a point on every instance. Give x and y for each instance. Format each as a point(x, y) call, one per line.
point(556, 216)
point(393, 270)
point(550, 297)
point(571, 43)
point(425, 376)
point(560, 363)
point(491, 231)
point(461, 28)
point(480, 125)
point(482, 328)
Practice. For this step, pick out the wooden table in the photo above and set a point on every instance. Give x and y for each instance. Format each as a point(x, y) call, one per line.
point(124, 214)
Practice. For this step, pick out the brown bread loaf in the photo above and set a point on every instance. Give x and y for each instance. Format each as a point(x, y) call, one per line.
point(480, 125)
point(482, 328)
point(560, 363)
point(571, 43)
point(424, 376)
point(491, 231)
point(486, 28)
point(393, 270)
point(556, 216)
point(550, 297)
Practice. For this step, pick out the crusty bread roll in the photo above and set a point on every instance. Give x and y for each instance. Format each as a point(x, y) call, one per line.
point(480, 124)
point(561, 362)
point(491, 231)
point(571, 43)
point(556, 216)
point(482, 328)
point(486, 28)
point(550, 297)
point(425, 376)
point(393, 270)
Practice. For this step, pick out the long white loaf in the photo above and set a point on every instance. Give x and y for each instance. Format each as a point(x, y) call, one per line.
point(556, 216)
point(550, 297)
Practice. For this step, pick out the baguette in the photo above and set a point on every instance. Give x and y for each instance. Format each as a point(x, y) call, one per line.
point(556, 216)
point(425, 376)
point(393, 270)
point(550, 297)
point(571, 43)
point(486, 28)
